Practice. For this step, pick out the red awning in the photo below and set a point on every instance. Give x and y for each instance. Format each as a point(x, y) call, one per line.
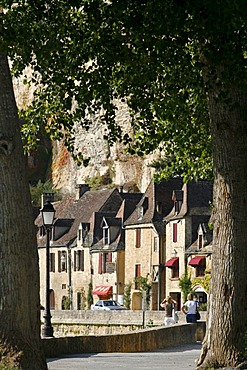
point(173, 262)
point(102, 290)
point(198, 260)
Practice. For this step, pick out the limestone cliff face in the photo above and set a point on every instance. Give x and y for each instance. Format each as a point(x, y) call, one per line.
point(105, 161)
point(111, 162)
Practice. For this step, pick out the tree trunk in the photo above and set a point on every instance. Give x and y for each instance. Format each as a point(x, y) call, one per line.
point(224, 341)
point(20, 343)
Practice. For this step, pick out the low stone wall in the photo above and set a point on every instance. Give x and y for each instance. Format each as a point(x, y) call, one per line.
point(128, 317)
point(137, 341)
point(83, 322)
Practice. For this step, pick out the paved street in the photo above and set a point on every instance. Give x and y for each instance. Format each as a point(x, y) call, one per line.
point(179, 358)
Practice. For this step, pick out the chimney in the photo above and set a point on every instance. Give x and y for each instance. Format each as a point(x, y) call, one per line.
point(120, 189)
point(81, 189)
point(46, 197)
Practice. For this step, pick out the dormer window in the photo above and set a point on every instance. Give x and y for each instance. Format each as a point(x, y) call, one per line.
point(41, 231)
point(159, 207)
point(200, 241)
point(106, 235)
point(177, 198)
point(140, 213)
point(82, 232)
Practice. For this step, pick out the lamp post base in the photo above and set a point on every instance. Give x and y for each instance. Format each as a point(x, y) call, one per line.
point(47, 331)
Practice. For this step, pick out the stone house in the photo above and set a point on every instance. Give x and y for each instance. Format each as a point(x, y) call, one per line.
point(107, 238)
point(145, 241)
point(86, 247)
point(108, 250)
point(70, 258)
point(188, 238)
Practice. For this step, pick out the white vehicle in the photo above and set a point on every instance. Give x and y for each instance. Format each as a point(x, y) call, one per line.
point(107, 305)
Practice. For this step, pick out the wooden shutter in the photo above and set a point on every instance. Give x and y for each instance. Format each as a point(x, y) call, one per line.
point(109, 257)
point(138, 238)
point(100, 263)
point(82, 260)
point(52, 262)
point(175, 232)
point(59, 261)
point(75, 262)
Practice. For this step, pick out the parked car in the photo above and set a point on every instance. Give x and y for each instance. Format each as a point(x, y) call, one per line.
point(106, 305)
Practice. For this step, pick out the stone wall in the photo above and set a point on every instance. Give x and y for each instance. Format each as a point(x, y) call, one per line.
point(137, 341)
point(85, 322)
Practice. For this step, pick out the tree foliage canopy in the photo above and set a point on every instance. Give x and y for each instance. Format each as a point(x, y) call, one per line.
point(180, 66)
point(149, 54)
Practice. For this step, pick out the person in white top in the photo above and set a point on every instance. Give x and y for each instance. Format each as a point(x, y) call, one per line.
point(189, 308)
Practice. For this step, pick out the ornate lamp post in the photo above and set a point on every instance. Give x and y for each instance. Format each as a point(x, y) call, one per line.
point(47, 213)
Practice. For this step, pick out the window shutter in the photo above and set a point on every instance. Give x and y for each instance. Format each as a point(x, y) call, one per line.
point(82, 260)
point(138, 238)
point(75, 267)
point(52, 262)
point(59, 261)
point(109, 257)
point(175, 232)
point(100, 263)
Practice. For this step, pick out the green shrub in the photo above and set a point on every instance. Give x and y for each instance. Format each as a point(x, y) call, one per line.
point(127, 295)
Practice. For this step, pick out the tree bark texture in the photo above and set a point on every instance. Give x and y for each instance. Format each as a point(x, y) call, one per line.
point(224, 341)
point(20, 343)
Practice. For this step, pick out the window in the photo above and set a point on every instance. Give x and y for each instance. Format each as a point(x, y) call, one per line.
point(175, 232)
point(138, 238)
point(80, 234)
point(140, 213)
point(41, 231)
point(156, 244)
point(175, 272)
point(200, 270)
point(177, 207)
point(52, 262)
point(200, 241)
point(83, 232)
point(62, 261)
point(106, 235)
point(104, 258)
point(159, 207)
point(79, 260)
point(137, 274)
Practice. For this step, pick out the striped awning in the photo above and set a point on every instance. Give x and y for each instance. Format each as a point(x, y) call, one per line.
point(102, 290)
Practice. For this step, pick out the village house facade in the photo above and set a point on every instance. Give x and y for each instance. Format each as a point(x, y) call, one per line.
point(145, 242)
point(103, 240)
point(188, 238)
point(86, 247)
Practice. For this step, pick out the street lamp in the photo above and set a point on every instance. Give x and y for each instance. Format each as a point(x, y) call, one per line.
point(174, 253)
point(47, 213)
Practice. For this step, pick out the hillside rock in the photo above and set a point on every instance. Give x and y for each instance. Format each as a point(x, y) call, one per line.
point(112, 163)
